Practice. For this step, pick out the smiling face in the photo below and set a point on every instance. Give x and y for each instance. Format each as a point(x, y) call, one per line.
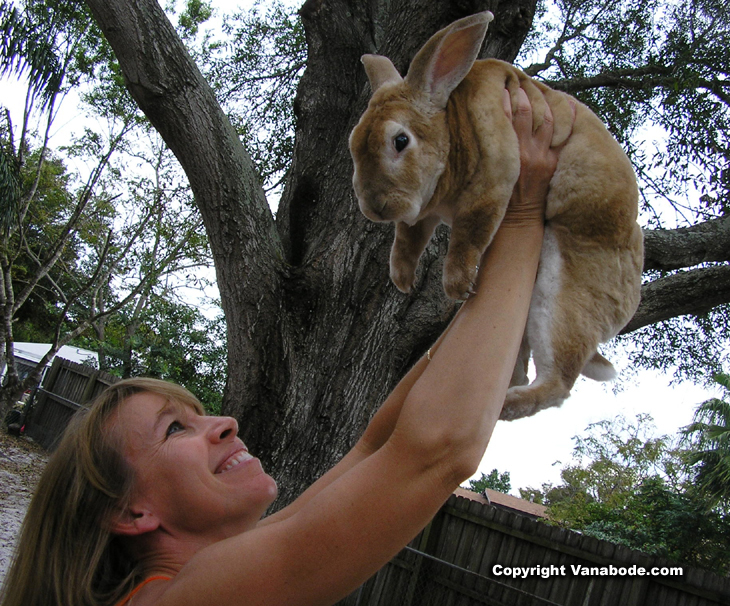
point(191, 472)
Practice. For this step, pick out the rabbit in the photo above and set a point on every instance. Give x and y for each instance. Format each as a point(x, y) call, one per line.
point(437, 146)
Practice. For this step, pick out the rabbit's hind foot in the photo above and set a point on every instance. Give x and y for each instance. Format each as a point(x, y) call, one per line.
point(525, 401)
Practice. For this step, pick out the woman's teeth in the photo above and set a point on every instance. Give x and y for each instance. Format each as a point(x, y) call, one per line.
point(239, 458)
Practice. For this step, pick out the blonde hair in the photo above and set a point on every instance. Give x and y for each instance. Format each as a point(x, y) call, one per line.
point(66, 555)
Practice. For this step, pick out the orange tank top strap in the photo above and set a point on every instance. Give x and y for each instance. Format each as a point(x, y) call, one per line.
point(158, 577)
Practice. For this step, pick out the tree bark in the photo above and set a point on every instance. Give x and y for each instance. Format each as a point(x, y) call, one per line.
point(692, 292)
point(668, 249)
point(317, 334)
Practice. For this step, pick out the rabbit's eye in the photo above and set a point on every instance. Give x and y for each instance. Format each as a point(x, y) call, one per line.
point(400, 142)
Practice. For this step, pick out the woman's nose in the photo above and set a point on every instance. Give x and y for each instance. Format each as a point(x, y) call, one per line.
point(222, 428)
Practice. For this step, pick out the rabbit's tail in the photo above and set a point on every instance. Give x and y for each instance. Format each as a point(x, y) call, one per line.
point(599, 369)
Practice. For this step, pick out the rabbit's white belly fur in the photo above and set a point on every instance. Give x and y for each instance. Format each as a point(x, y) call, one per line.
point(542, 305)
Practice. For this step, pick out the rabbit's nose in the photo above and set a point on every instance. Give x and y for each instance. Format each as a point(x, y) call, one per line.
point(374, 210)
point(379, 206)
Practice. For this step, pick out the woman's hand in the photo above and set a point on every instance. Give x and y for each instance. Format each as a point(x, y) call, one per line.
point(537, 163)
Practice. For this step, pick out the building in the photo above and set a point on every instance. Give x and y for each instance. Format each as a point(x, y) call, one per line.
point(27, 356)
point(534, 511)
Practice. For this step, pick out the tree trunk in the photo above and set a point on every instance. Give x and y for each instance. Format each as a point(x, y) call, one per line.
point(317, 334)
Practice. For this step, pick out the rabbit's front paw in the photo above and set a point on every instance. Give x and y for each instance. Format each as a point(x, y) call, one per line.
point(460, 280)
point(403, 275)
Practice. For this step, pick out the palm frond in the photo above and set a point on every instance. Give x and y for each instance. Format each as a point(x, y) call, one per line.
point(9, 190)
point(24, 48)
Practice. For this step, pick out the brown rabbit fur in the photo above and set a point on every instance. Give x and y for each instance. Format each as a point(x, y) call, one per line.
point(437, 147)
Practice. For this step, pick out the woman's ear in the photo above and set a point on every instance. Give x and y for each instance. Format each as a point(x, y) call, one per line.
point(132, 522)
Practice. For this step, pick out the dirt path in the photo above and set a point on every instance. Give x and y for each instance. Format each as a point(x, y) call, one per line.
point(21, 463)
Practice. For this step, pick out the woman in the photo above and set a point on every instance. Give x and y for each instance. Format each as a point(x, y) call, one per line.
point(147, 501)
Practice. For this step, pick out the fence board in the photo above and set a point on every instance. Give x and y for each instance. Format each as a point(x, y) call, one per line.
point(66, 387)
point(475, 537)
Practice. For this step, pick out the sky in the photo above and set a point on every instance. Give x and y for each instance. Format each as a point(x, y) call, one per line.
point(529, 448)
point(534, 449)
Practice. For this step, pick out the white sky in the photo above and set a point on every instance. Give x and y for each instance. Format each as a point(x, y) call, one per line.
point(529, 448)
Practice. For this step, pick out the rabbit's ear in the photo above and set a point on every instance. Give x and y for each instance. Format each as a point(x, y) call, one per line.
point(444, 61)
point(380, 71)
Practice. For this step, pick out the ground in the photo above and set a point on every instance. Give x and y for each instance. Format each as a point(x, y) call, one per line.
point(21, 464)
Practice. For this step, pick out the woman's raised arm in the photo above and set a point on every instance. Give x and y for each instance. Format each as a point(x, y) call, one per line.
point(428, 437)
point(526, 207)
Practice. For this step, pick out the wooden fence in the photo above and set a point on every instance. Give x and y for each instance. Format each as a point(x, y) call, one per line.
point(461, 559)
point(66, 387)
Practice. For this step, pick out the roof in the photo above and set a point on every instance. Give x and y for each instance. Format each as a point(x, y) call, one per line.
point(504, 501)
point(34, 352)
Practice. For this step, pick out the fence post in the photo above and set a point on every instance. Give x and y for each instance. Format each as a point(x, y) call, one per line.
point(50, 411)
point(89, 388)
point(40, 400)
point(426, 544)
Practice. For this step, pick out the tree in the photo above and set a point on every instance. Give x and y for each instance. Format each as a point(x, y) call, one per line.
point(170, 222)
point(662, 521)
point(610, 461)
point(629, 487)
point(182, 345)
point(494, 481)
point(316, 334)
point(63, 244)
point(255, 73)
point(172, 341)
point(709, 450)
point(35, 320)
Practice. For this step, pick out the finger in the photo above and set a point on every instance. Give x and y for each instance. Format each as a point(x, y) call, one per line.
point(547, 116)
point(537, 102)
point(507, 103)
point(522, 114)
point(573, 108)
point(545, 130)
point(542, 118)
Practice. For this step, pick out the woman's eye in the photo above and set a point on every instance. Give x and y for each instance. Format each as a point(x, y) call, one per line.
point(174, 427)
point(400, 142)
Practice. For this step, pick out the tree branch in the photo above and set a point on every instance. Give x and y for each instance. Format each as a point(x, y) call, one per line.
point(171, 91)
point(640, 78)
point(72, 223)
point(61, 340)
point(693, 292)
point(247, 248)
point(565, 36)
point(670, 249)
point(649, 76)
